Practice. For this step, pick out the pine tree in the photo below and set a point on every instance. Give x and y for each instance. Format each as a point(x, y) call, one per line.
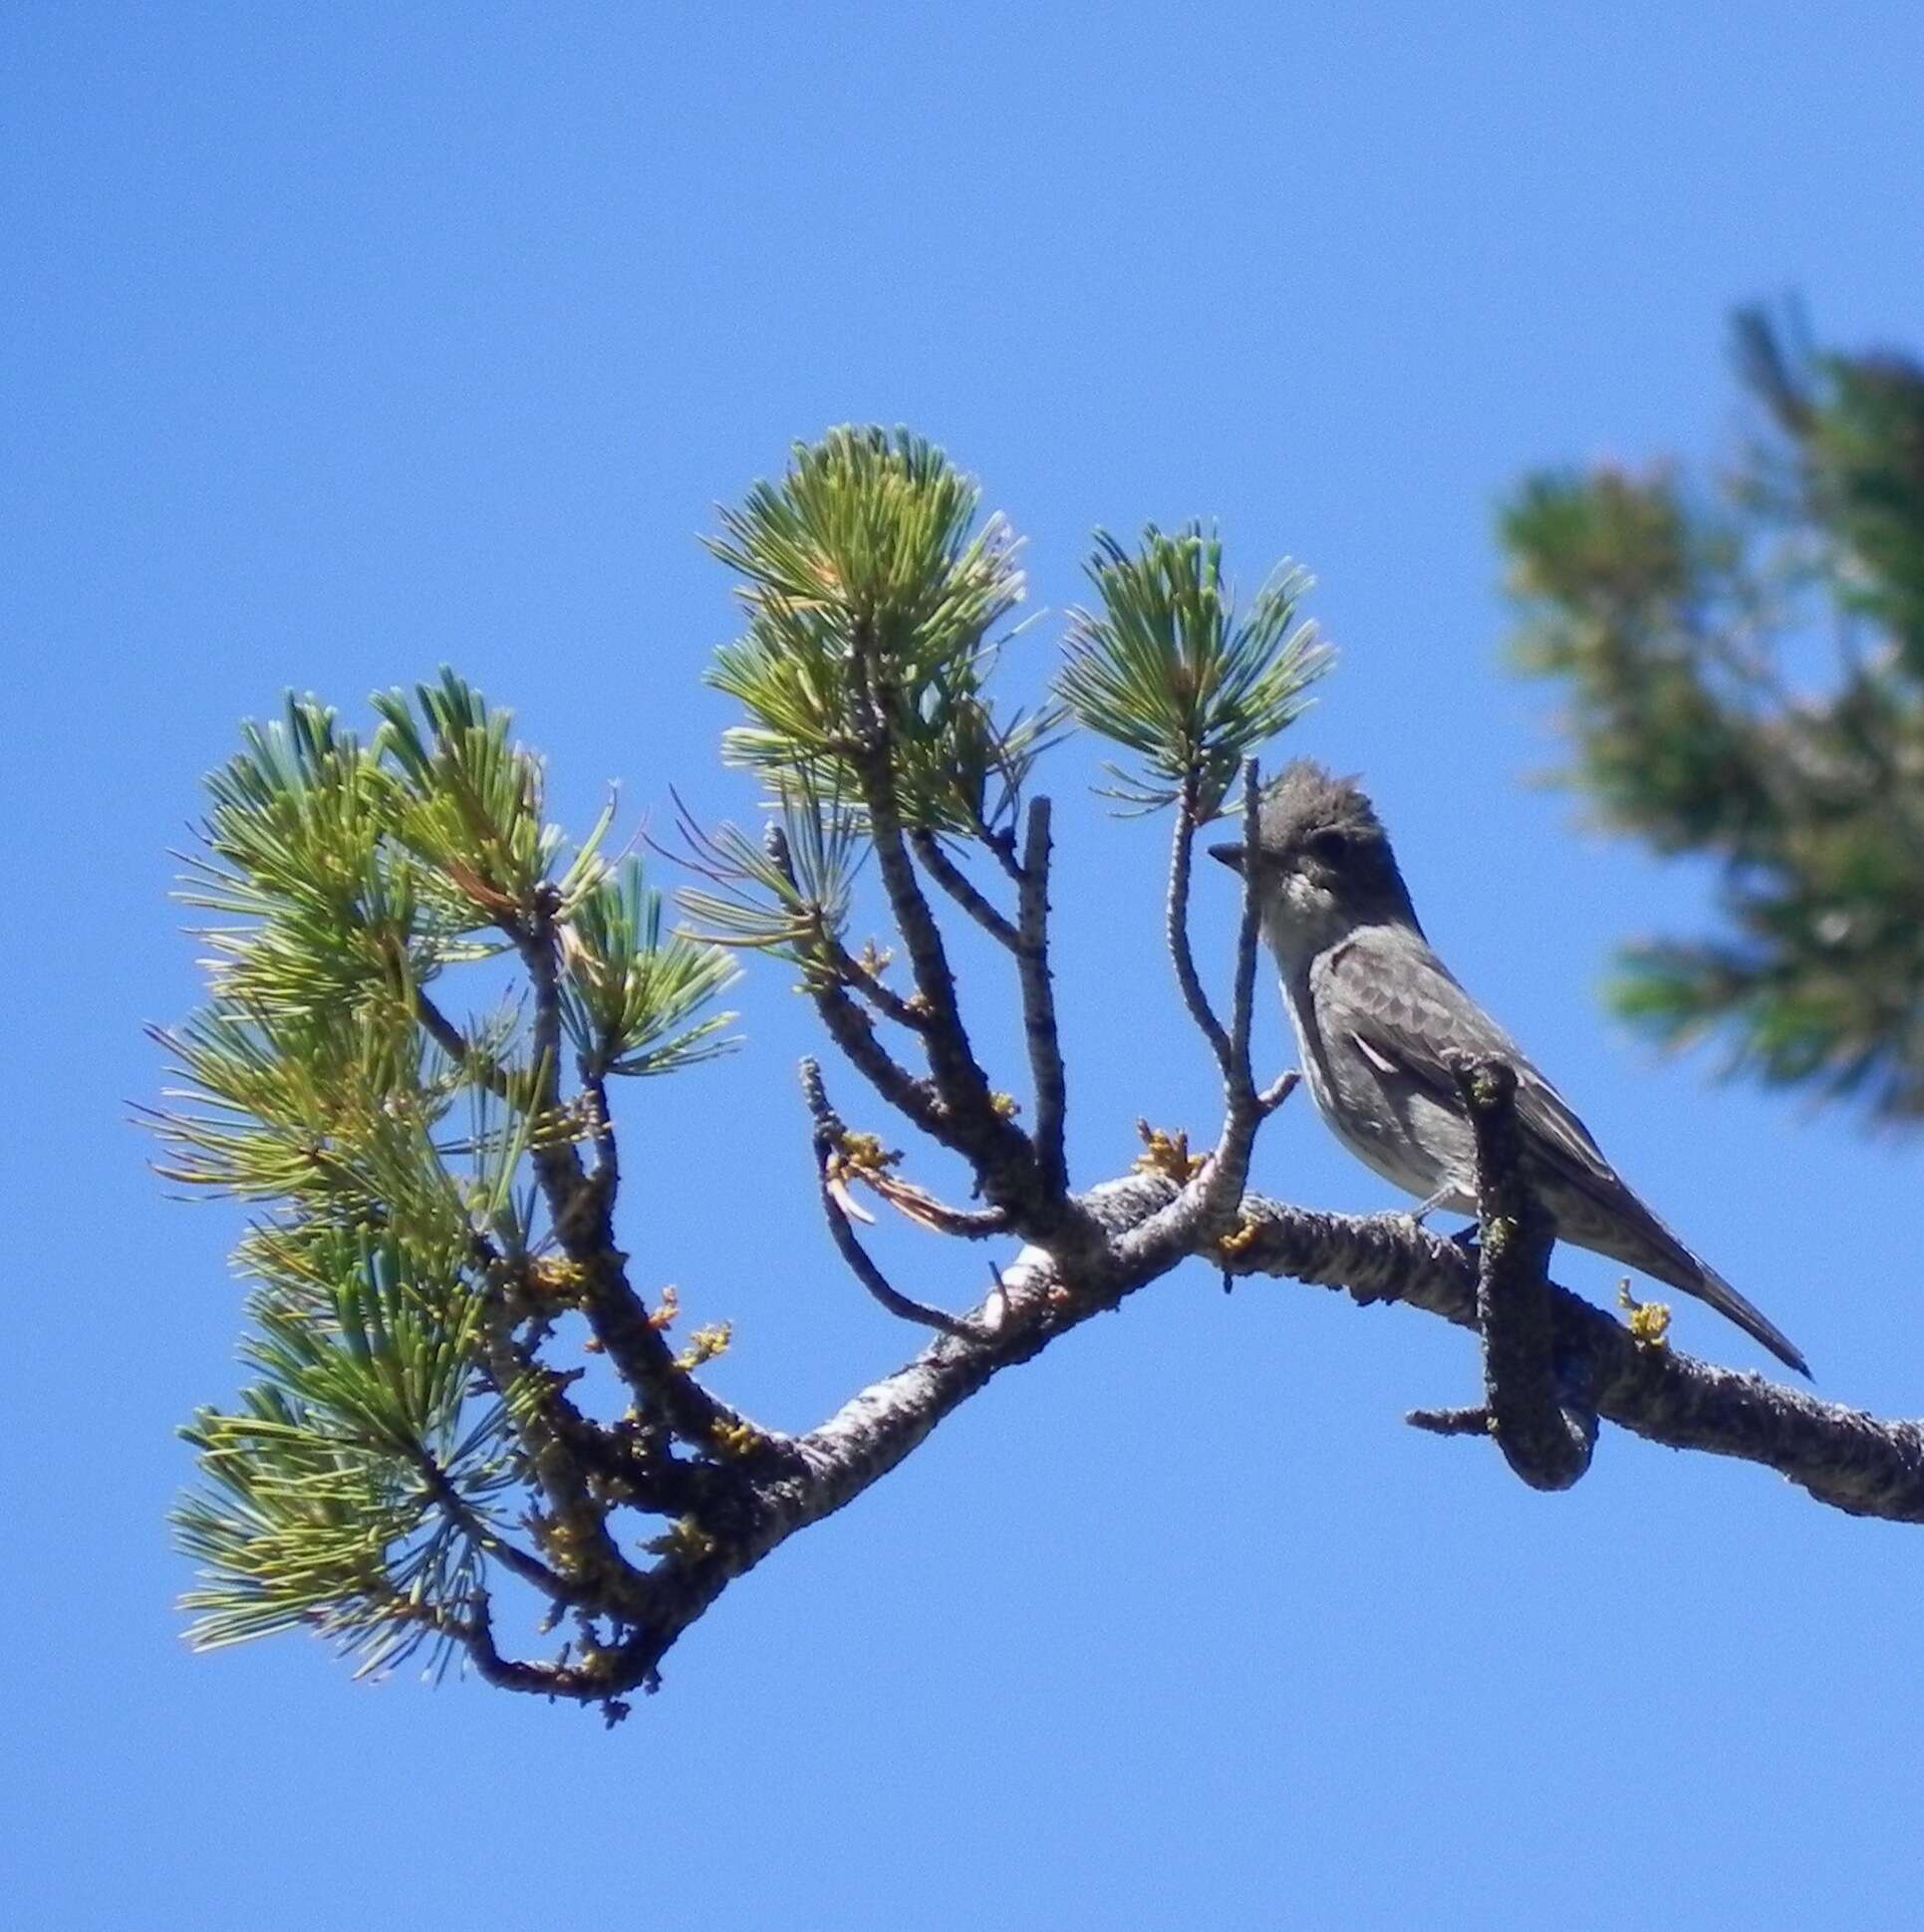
point(1745, 672)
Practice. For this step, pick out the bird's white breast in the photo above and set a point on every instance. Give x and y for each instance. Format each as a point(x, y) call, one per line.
point(1364, 1109)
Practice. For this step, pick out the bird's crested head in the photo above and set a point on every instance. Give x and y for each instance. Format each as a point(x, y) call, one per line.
point(1309, 809)
point(1322, 861)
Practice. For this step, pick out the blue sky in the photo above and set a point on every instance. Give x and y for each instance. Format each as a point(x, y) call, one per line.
point(350, 339)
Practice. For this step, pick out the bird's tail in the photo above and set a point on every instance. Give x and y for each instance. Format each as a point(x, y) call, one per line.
point(1640, 1239)
point(1711, 1287)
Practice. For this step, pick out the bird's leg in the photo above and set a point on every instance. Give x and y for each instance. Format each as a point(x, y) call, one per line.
point(1434, 1201)
point(1466, 1238)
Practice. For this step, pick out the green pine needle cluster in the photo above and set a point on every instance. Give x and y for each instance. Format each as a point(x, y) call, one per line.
point(1744, 675)
point(353, 1491)
point(873, 594)
point(630, 992)
point(788, 895)
point(467, 803)
point(1166, 666)
point(386, 1148)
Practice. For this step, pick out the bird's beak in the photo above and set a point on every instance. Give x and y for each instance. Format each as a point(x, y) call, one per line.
point(1229, 853)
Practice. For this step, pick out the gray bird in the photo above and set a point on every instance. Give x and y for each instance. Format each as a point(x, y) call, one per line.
point(1379, 1018)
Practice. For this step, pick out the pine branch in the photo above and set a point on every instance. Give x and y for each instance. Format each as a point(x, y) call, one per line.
point(1000, 1151)
point(829, 1138)
point(1038, 1004)
point(961, 889)
point(1842, 1457)
point(580, 1209)
point(1546, 1434)
point(1176, 928)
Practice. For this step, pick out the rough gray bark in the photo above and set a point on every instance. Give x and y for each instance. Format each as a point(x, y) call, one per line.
point(1545, 1427)
point(1853, 1461)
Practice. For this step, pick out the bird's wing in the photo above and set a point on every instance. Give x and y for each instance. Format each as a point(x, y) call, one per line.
point(1405, 1013)
point(1408, 1017)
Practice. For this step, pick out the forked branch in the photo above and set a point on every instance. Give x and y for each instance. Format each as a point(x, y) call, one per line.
point(831, 1144)
point(1542, 1423)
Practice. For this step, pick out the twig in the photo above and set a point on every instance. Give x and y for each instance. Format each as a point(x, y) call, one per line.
point(607, 1176)
point(522, 1564)
point(1218, 1187)
point(534, 940)
point(1205, 1209)
point(1545, 1435)
point(852, 1031)
point(884, 998)
point(450, 1038)
point(476, 1633)
point(1038, 1004)
point(1277, 1091)
point(1238, 1078)
point(960, 888)
point(1000, 1151)
point(1450, 1422)
point(641, 1356)
point(1002, 846)
point(829, 1134)
point(1176, 928)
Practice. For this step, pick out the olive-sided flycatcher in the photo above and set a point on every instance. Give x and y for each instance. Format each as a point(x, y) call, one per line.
point(1380, 1019)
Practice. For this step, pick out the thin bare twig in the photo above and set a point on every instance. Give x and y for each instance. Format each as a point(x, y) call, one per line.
point(998, 1150)
point(1277, 1091)
point(1239, 1079)
point(829, 1135)
point(960, 888)
point(450, 1038)
point(1450, 1422)
point(1176, 928)
point(1038, 1004)
point(1204, 1209)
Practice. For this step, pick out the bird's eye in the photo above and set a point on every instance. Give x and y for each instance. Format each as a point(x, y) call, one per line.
point(1330, 846)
